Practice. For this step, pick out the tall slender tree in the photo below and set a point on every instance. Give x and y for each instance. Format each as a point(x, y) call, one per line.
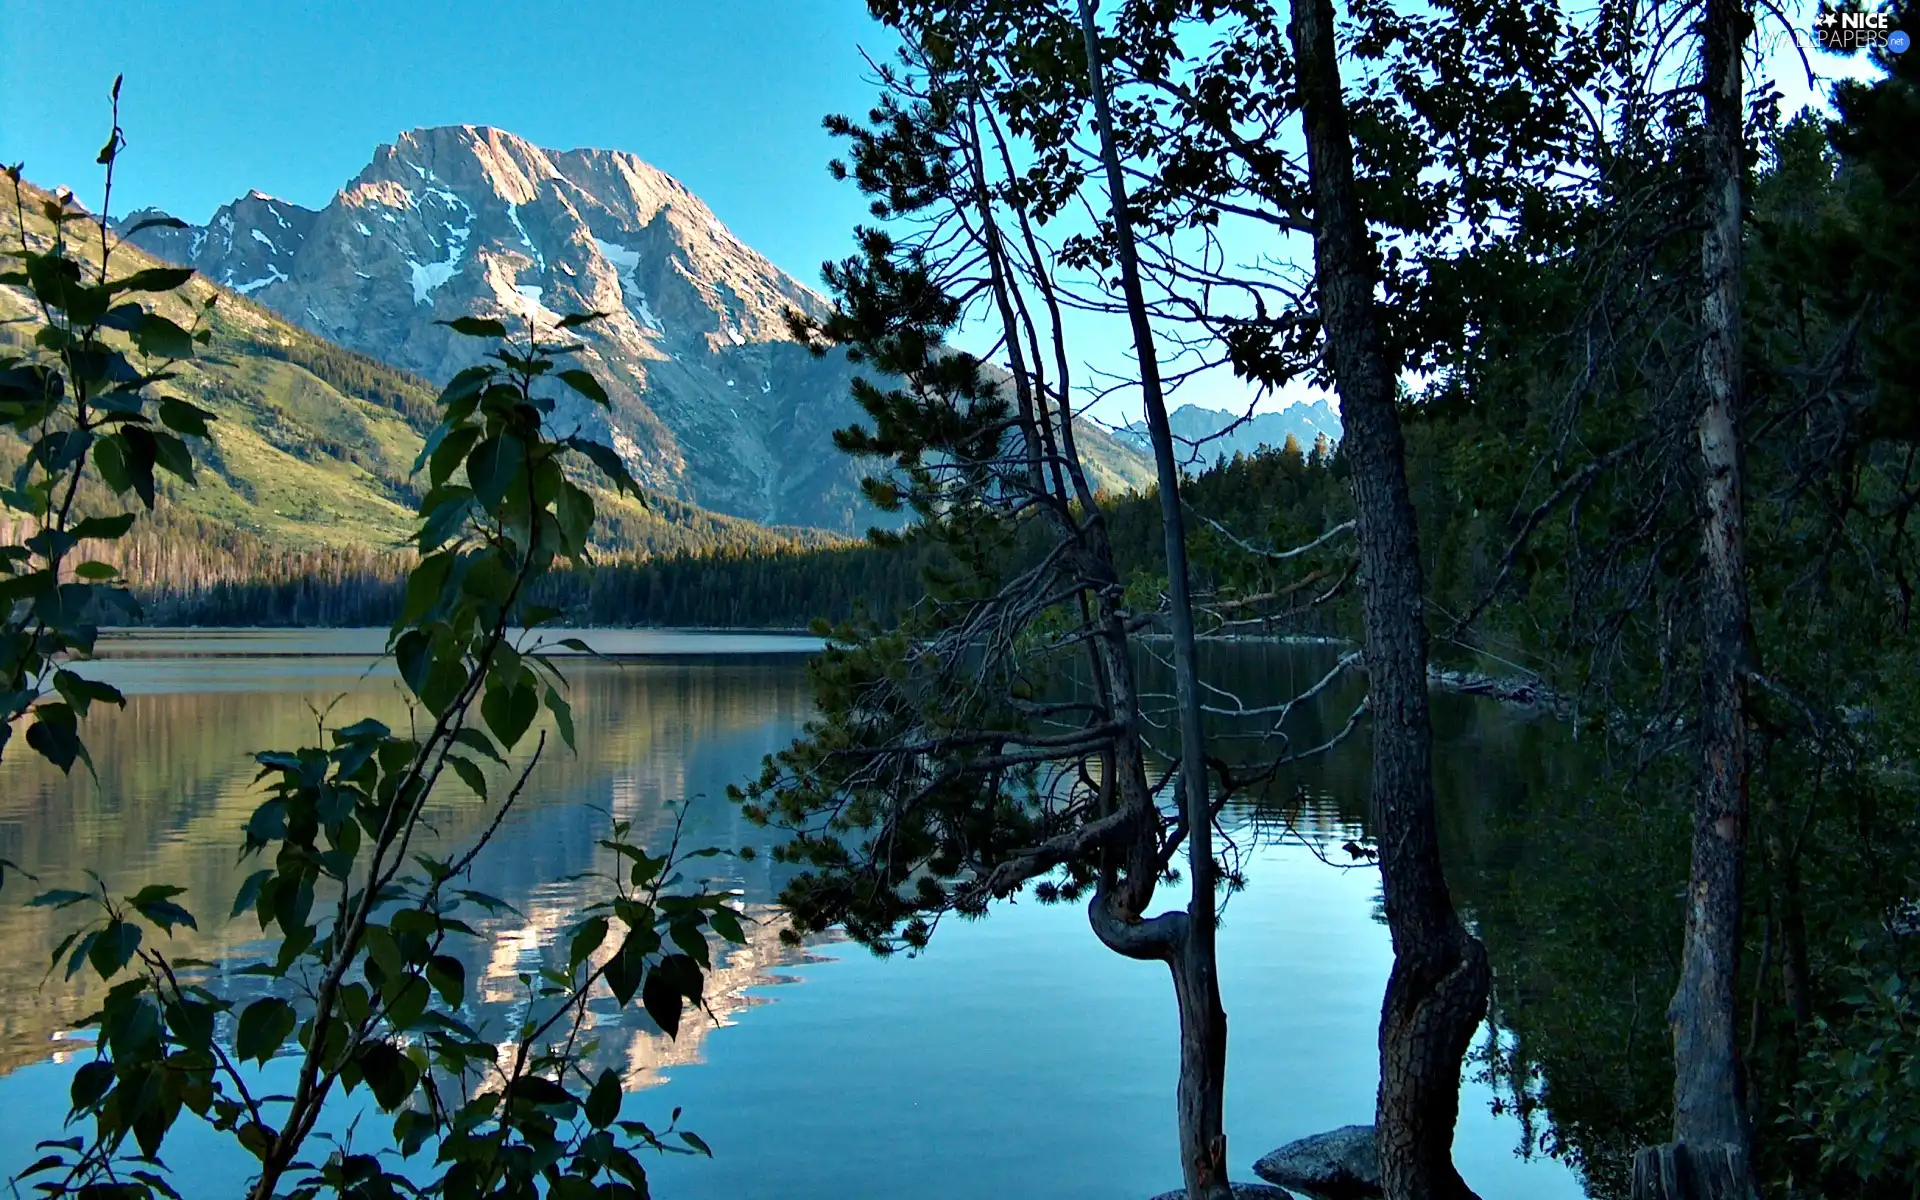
point(1712, 1154)
point(1437, 992)
point(1000, 737)
point(1203, 1023)
point(1209, 136)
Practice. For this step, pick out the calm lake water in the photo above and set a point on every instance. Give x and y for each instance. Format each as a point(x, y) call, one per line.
point(1015, 1058)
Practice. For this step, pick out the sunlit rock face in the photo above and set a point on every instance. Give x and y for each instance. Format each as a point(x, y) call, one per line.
point(713, 401)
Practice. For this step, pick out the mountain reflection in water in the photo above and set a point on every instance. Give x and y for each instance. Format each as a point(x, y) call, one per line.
point(1016, 1051)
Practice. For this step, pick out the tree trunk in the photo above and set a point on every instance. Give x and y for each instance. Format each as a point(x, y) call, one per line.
point(1437, 993)
point(1678, 1172)
point(1783, 859)
point(1709, 1110)
point(1203, 1023)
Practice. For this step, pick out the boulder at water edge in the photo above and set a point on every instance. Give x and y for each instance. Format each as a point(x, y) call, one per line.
point(1241, 1191)
point(1341, 1164)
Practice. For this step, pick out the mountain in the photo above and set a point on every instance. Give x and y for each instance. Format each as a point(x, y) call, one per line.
point(713, 401)
point(313, 446)
point(1202, 435)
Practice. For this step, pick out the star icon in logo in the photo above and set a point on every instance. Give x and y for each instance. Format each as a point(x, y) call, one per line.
point(1826, 20)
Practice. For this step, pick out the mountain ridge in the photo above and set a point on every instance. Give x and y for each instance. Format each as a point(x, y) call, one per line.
point(312, 446)
point(1202, 435)
point(713, 402)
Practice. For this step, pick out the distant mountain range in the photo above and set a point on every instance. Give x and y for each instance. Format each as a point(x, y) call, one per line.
point(713, 402)
point(1202, 435)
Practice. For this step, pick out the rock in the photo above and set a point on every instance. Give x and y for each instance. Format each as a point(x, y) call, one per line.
point(1341, 1164)
point(710, 399)
point(1241, 1191)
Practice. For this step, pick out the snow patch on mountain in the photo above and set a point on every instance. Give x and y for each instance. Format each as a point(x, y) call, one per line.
point(625, 262)
point(539, 259)
point(428, 277)
point(273, 275)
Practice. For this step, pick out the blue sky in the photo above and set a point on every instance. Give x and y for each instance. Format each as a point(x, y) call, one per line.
point(292, 98)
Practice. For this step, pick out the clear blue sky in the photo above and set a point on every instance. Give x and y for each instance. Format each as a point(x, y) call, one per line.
point(292, 98)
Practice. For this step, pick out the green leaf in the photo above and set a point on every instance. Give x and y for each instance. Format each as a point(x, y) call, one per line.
point(727, 924)
point(263, 1028)
point(493, 904)
point(575, 320)
point(573, 509)
point(508, 709)
point(687, 936)
point(124, 317)
point(562, 716)
point(114, 948)
point(60, 898)
point(492, 466)
point(155, 903)
point(424, 585)
point(153, 279)
point(624, 970)
point(693, 1139)
point(172, 454)
point(474, 740)
point(584, 383)
point(603, 1102)
point(450, 453)
point(158, 337)
point(448, 977)
point(480, 327)
point(413, 656)
point(408, 1002)
point(471, 775)
point(81, 692)
point(609, 461)
point(662, 1000)
point(391, 1074)
point(586, 939)
point(89, 1084)
point(446, 514)
point(104, 528)
point(80, 953)
point(97, 572)
point(55, 734)
point(125, 461)
point(243, 900)
point(182, 417)
point(155, 223)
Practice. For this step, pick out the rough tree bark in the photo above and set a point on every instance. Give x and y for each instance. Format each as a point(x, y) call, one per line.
point(1711, 1155)
point(1203, 1023)
point(1437, 992)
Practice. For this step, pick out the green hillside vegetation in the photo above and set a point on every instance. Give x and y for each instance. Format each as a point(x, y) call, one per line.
point(307, 472)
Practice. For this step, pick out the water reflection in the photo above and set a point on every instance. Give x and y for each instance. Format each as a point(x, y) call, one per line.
point(175, 784)
point(1016, 1050)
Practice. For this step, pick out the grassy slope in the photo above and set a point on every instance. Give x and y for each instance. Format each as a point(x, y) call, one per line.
point(313, 444)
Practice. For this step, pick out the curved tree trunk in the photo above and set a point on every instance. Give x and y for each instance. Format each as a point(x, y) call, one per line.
point(1203, 1022)
point(1437, 993)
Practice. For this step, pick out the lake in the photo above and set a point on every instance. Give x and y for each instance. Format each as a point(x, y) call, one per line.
point(1015, 1057)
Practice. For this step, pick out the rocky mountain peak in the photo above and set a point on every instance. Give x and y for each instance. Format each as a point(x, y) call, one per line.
point(713, 401)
